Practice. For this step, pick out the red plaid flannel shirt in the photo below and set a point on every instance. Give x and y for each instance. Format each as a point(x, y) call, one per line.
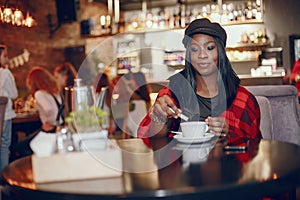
point(243, 118)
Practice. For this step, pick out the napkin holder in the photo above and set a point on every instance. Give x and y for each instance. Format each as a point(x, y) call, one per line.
point(83, 165)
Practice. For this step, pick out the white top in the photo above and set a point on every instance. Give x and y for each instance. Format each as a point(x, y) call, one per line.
point(46, 106)
point(8, 88)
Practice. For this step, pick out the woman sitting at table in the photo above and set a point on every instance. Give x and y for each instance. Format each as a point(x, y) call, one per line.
point(207, 87)
point(44, 88)
point(129, 87)
point(65, 75)
point(49, 103)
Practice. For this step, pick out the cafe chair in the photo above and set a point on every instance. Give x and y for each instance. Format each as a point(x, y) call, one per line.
point(3, 102)
point(284, 110)
point(266, 122)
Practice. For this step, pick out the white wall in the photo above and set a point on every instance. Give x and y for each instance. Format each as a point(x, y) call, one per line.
point(159, 42)
point(171, 40)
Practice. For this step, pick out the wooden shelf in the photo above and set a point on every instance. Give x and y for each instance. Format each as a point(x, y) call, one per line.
point(244, 60)
point(248, 46)
point(176, 66)
point(149, 30)
point(96, 36)
point(128, 55)
point(251, 21)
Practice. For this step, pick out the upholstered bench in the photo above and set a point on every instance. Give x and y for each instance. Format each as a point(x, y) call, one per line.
point(283, 100)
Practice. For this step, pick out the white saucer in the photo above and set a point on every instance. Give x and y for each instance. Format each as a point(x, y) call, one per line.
point(184, 146)
point(201, 139)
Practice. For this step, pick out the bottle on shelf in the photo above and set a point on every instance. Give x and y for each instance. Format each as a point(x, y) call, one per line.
point(224, 16)
point(177, 17)
point(149, 20)
point(254, 10)
point(205, 12)
point(188, 17)
point(249, 10)
point(172, 19)
point(199, 14)
point(230, 9)
point(215, 14)
point(265, 37)
point(240, 13)
point(259, 10)
point(161, 19)
point(167, 18)
point(180, 15)
point(194, 14)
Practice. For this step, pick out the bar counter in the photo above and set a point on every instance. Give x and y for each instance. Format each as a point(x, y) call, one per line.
point(247, 79)
point(26, 123)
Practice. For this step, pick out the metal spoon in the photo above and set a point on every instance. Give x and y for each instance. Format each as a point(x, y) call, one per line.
point(182, 116)
point(176, 132)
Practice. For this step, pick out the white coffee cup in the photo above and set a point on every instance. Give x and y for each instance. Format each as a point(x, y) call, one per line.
point(193, 129)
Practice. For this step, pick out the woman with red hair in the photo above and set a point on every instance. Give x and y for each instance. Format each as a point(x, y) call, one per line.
point(47, 93)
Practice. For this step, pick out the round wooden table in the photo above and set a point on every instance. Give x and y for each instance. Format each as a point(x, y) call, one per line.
point(265, 169)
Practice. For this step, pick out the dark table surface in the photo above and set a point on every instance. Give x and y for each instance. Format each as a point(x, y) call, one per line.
point(26, 123)
point(25, 117)
point(175, 171)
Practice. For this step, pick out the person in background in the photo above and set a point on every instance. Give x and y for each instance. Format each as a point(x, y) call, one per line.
point(128, 87)
point(137, 81)
point(7, 88)
point(102, 81)
point(132, 86)
point(65, 75)
point(208, 88)
point(46, 91)
point(295, 76)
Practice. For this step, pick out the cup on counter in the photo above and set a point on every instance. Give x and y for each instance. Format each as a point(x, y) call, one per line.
point(193, 129)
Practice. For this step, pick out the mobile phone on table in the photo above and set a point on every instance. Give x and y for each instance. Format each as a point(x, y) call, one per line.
point(240, 147)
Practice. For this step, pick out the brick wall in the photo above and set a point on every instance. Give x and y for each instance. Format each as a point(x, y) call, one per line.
point(44, 51)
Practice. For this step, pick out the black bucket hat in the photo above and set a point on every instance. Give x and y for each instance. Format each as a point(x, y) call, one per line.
point(204, 26)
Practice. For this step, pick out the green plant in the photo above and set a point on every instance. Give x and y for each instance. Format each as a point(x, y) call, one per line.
point(84, 120)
